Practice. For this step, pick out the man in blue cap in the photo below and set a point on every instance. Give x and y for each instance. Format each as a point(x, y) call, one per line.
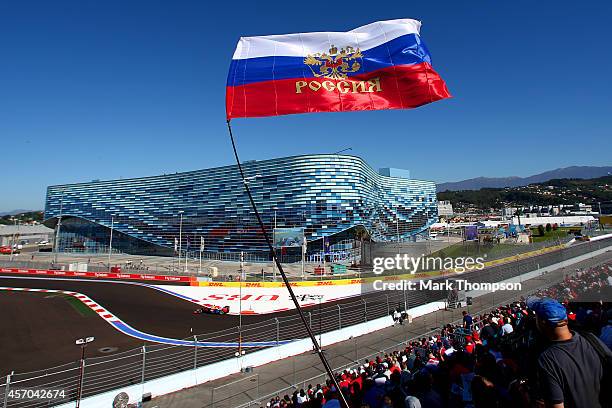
point(570, 370)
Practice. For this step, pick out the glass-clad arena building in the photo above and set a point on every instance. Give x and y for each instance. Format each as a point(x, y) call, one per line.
point(339, 197)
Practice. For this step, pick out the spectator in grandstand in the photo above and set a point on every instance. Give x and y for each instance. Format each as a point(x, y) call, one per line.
point(506, 327)
point(331, 399)
point(606, 331)
point(300, 398)
point(467, 321)
point(489, 331)
point(569, 370)
point(453, 368)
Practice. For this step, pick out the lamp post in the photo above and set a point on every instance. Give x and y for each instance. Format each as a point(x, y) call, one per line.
point(273, 240)
point(304, 246)
point(57, 230)
point(180, 238)
point(242, 276)
point(83, 343)
point(187, 252)
point(201, 250)
point(323, 256)
point(110, 242)
point(397, 226)
point(13, 240)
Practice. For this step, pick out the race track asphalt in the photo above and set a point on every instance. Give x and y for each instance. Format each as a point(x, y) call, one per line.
point(44, 327)
point(143, 308)
point(38, 330)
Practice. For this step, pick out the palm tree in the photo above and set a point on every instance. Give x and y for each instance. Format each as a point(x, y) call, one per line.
point(518, 214)
point(362, 234)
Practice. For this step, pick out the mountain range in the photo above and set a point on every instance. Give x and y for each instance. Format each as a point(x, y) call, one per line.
point(13, 212)
point(573, 172)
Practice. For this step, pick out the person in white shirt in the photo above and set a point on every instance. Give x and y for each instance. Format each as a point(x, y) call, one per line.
point(507, 327)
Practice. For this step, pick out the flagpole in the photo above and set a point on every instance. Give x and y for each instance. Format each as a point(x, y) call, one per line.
point(275, 260)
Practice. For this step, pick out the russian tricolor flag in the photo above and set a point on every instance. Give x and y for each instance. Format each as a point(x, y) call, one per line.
point(383, 65)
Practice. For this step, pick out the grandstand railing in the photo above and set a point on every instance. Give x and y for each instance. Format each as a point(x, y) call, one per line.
point(153, 361)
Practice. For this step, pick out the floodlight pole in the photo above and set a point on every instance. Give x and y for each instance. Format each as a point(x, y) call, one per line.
point(110, 243)
point(240, 303)
point(273, 239)
point(57, 230)
point(14, 238)
point(304, 246)
point(201, 250)
point(397, 226)
point(180, 239)
point(275, 260)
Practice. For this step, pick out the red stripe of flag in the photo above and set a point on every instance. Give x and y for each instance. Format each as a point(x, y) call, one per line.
point(395, 87)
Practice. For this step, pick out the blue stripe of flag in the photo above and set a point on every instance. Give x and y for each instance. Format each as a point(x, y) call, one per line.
point(405, 50)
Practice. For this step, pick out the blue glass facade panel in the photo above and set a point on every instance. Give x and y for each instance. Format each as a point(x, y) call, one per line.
point(324, 194)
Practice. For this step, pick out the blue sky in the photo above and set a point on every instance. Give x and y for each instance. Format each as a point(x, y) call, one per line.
point(110, 89)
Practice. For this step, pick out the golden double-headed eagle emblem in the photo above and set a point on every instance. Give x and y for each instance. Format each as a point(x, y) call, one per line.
point(335, 64)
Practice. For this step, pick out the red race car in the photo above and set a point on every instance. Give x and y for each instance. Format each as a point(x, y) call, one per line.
point(212, 309)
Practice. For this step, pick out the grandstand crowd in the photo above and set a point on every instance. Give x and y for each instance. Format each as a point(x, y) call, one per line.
point(549, 350)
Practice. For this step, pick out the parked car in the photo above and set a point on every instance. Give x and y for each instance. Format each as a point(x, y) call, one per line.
point(43, 242)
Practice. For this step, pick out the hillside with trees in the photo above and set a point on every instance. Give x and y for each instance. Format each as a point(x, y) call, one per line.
point(552, 192)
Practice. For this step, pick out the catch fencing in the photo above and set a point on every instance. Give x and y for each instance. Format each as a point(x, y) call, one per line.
point(228, 265)
point(154, 361)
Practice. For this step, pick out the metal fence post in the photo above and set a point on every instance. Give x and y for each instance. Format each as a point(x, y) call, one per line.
point(365, 309)
point(6, 391)
point(277, 330)
point(388, 309)
point(82, 381)
point(195, 358)
point(142, 374)
point(339, 317)
point(257, 376)
point(294, 374)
